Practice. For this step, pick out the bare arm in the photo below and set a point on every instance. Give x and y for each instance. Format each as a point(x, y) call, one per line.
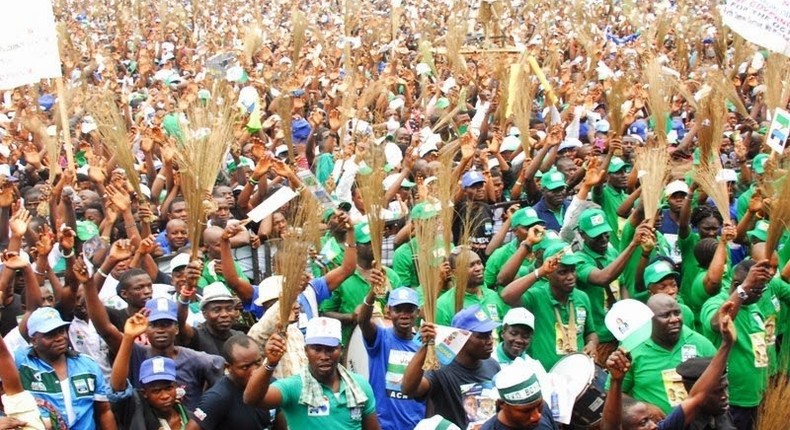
point(104, 416)
point(258, 392)
point(414, 383)
point(364, 318)
point(241, 286)
point(336, 276)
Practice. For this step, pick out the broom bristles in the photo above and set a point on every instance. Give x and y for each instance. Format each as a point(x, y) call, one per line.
point(370, 185)
point(654, 161)
point(774, 413)
point(462, 261)
point(300, 25)
point(112, 128)
point(522, 106)
point(428, 273)
point(656, 98)
point(779, 216)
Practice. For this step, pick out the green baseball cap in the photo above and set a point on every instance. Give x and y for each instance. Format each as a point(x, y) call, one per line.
point(525, 217)
point(328, 212)
point(758, 163)
point(424, 211)
point(86, 230)
point(617, 164)
point(550, 237)
point(760, 231)
point(592, 222)
point(552, 180)
point(362, 232)
point(569, 258)
point(657, 271)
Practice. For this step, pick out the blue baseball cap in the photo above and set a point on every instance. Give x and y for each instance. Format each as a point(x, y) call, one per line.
point(474, 319)
point(162, 308)
point(157, 369)
point(639, 128)
point(44, 320)
point(403, 295)
point(471, 178)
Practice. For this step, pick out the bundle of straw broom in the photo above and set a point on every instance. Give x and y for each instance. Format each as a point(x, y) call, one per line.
point(779, 214)
point(774, 413)
point(425, 229)
point(293, 251)
point(200, 158)
point(370, 185)
point(711, 115)
point(654, 160)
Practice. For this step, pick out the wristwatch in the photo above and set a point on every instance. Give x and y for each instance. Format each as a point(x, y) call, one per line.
point(741, 293)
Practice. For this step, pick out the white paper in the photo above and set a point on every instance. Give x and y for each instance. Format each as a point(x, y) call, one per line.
point(780, 129)
point(274, 202)
point(449, 341)
point(762, 22)
point(28, 43)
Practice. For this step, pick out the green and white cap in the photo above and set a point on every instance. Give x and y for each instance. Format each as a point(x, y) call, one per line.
point(436, 422)
point(760, 231)
point(517, 384)
point(630, 321)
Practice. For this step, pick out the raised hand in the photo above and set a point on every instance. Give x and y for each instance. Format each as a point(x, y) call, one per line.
point(136, 324)
point(550, 265)
point(594, 174)
point(121, 250)
point(280, 168)
point(14, 261)
point(618, 364)
point(96, 169)
point(728, 233)
point(334, 120)
point(726, 327)
point(45, 240)
point(66, 238)
point(148, 245)
point(19, 222)
point(118, 197)
point(535, 234)
point(275, 349)
point(168, 150)
point(8, 192)
point(80, 270)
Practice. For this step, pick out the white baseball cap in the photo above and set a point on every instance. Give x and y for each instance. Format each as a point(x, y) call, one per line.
point(676, 186)
point(519, 316)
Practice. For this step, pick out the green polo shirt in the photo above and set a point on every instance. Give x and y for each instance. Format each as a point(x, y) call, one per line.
point(403, 263)
point(610, 199)
point(206, 277)
point(774, 304)
point(498, 259)
point(697, 294)
point(541, 302)
point(325, 163)
point(597, 294)
point(750, 359)
point(350, 294)
point(334, 414)
point(488, 300)
point(652, 377)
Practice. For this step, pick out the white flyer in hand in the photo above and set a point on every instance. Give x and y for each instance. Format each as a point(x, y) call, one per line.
point(274, 202)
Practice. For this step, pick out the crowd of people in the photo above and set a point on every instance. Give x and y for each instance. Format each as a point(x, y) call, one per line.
point(112, 318)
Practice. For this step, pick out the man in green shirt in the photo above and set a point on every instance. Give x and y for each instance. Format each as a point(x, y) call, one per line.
point(345, 299)
point(476, 294)
point(612, 194)
point(562, 312)
point(652, 377)
point(661, 278)
point(521, 224)
point(599, 269)
point(750, 359)
point(325, 395)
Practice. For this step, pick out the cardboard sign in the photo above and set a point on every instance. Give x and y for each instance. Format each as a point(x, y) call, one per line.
point(762, 22)
point(780, 129)
point(28, 44)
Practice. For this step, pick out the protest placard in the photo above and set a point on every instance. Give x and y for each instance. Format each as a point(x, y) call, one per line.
point(780, 129)
point(28, 44)
point(762, 22)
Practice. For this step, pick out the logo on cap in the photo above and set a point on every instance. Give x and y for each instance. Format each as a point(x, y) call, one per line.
point(161, 305)
point(596, 220)
point(480, 315)
point(530, 212)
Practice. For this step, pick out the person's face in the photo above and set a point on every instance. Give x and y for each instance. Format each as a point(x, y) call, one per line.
point(138, 290)
point(403, 137)
point(499, 186)
point(245, 361)
point(162, 333)
point(564, 278)
point(676, 202)
point(403, 317)
point(279, 224)
point(708, 227)
point(161, 395)
point(178, 210)
point(222, 215)
point(668, 286)
point(81, 307)
point(356, 198)
point(476, 192)
point(598, 243)
point(179, 276)
point(47, 297)
point(31, 203)
point(322, 360)
point(480, 345)
point(639, 418)
point(475, 268)
point(220, 315)
point(619, 179)
point(52, 344)
point(554, 197)
point(227, 194)
point(516, 339)
point(177, 234)
point(667, 322)
point(527, 416)
point(93, 216)
point(717, 401)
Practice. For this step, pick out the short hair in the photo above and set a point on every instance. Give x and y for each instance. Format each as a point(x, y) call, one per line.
point(241, 340)
point(96, 206)
point(178, 199)
point(123, 283)
point(704, 211)
point(740, 271)
point(704, 251)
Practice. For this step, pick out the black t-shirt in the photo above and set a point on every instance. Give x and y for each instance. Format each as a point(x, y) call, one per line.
point(117, 317)
point(9, 314)
point(204, 341)
point(454, 384)
point(223, 407)
point(481, 216)
point(546, 422)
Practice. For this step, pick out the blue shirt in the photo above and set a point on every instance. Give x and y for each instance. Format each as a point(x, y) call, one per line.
point(546, 422)
point(85, 384)
point(310, 299)
point(548, 216)
point(389, 356)
point(676, 420)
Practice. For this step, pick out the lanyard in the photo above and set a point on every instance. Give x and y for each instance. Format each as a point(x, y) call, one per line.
point(181, 413)
point(569, 331)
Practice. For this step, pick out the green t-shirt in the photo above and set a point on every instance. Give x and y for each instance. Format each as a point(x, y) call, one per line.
point(350, 294)
point(489, 301)
point(610, 200)
point(597, 293)
point(335, 414)
point(652, 377)
point(690, 267)
point(697, 294)
point(689, 319)
point(324, 165)
point(546, 347)
point(332, 252)
point(206, 277)
point(403, 264)
point(629, 273)
point(774, 304)
point(750, 359)
point(497, 260)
